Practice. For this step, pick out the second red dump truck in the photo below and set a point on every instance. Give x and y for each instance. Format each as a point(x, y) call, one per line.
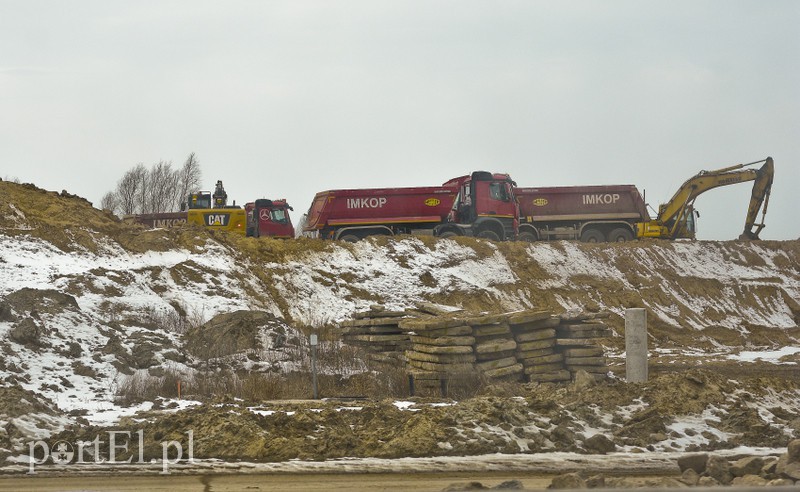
point(589, 213)
point(481, 204)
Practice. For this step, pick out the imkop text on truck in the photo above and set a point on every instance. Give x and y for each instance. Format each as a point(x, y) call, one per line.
point(481, 204)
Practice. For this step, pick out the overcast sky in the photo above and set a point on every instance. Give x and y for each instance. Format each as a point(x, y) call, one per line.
point(288, 98)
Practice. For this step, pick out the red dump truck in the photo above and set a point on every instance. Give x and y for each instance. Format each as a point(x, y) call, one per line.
point(480, 204)
point(269, 218)
point(589, 213)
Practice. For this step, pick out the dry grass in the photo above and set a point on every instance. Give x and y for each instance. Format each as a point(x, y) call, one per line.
point(143, 387)
point(341, 372)
point(254, 387)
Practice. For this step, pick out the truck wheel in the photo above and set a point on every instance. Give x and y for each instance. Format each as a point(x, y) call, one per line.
point(592, 236)
point(350, 238)
point(487, 234)
point(526, 236)
point(620, 235)
point(447, 234)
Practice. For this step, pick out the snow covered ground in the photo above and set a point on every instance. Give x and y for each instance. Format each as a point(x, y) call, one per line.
point(122, 299)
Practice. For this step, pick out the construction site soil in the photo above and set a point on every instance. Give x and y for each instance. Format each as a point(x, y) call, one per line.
point(101, 320)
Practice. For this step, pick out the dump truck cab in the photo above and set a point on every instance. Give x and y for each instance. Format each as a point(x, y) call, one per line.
point(484, 207)
point(269, 218)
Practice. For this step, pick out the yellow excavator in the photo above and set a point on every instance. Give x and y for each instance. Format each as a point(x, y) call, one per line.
point(676, 217)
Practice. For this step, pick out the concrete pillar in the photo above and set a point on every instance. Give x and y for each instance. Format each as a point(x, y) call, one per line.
point(636, 345)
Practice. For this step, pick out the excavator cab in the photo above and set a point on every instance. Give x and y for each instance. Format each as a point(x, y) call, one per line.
point(197, 200)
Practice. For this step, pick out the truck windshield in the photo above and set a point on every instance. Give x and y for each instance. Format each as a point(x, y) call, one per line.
point(498, 191)
point(278, 215)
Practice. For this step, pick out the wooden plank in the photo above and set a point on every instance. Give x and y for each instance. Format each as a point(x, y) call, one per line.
point(435, 309)
point(495, 355)
point(446, 332)
point(496, 329)
point(544, 359)
point(446, 340)
point(544, 368)
point(551, 322)
point(427, 324)
point(496, 364)
point(440, 358)
point(441, 368)
point(486, 319)
point(402, 337)
point(504, 371)
point(526, 354)
point(499, 345)
point(538, 344)
point(435, 349)
point(529, 316)
point(532, 336)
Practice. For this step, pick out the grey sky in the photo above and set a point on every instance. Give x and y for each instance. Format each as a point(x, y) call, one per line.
point(285, 99)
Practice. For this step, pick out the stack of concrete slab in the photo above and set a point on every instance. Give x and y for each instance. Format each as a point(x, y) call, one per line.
point(377, 332)
point(495, 347)
point(578, 340)
point(441, 348)
point(438, 345)
point(535, 334)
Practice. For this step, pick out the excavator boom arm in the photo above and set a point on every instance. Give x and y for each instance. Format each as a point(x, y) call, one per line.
point(759, 197)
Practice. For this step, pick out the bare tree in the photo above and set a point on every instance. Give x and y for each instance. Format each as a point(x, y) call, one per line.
point(162, 181)
point(188, 180)
point(130, 190)
point(157, 189)
point(109, 202)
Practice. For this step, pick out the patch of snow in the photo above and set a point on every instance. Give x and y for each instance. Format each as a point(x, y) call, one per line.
point(772, 356)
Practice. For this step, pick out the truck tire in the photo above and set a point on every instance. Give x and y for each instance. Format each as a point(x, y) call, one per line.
point(447, 234)
point(620, 235)
point(592, 236)
point(350, 238)
point(526, 236)
point(488, 234)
